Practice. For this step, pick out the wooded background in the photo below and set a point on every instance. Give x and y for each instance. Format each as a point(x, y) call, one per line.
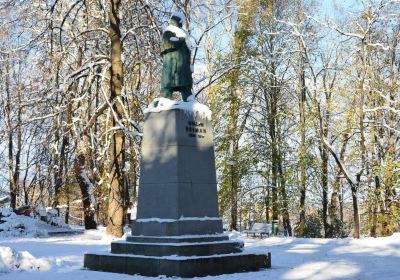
point(304, 94)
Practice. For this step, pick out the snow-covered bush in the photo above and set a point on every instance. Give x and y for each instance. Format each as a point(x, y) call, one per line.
point(12, 224)
point(50, 216)
point(11, 260)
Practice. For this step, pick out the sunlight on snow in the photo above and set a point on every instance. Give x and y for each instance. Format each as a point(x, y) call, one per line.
point(304, 248)
point(322, 271)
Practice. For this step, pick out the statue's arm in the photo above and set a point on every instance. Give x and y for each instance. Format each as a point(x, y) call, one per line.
point(171, 43)
point(165, 51)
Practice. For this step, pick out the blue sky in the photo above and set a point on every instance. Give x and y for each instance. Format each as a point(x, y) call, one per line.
point(334, 9)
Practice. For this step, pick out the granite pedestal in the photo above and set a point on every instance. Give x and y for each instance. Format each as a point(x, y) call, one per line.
point(177, 231)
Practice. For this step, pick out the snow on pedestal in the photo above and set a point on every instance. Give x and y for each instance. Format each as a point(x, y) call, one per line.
point(191, 107)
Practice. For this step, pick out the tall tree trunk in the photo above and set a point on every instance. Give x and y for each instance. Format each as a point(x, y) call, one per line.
point(302, 155)
point(356, 214)
point(336, 198)
point(66, 217)
point(274, 155)
point(59, 172)
point(324, 164)
point(234, 181)
point(325, 122)
point(10, 133)
point(374, 194)
point(116, 205)
point(233, 201)
point(17, 167)
point(285, 205)
point(266, 191)
point(324, 184)
point(272, 116)
point(267, 204)
point(363, 149)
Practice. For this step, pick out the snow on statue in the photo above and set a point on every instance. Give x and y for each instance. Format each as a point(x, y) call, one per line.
point(175, 50)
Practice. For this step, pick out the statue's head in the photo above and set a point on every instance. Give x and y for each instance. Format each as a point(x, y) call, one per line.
point(177, 19)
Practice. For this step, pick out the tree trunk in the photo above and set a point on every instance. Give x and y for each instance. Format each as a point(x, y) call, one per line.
point(333, 208)
point(302, 155)
point(66, 218)
point(274, 150)
point(234, 186)
point(336, 197)
point(233, 202)
point(362, 147)
point(10, 132)
point(285, 205)
point(356, 215)
point(58, 174)
point(324, 183)
point(86, 187)
point(116, 205)
point(266, 202)
point(17, 168)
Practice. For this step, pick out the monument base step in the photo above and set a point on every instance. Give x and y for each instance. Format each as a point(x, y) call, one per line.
point(178, 239)
point(178, 249)
point(167, 227)
point(177, 266)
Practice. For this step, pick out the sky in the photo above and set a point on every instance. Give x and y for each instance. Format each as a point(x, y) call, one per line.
point(335, 9)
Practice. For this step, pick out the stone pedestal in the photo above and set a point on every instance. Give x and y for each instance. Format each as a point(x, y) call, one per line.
point(178, 231)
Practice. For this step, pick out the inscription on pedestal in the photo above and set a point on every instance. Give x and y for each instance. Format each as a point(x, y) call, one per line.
point(196, 129)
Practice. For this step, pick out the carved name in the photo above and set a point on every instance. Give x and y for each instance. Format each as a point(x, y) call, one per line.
point(196, 129)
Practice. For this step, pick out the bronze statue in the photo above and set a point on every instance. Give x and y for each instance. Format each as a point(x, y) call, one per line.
point(176, 72)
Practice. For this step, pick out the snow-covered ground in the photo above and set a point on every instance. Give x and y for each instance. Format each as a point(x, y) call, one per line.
point(61, 258)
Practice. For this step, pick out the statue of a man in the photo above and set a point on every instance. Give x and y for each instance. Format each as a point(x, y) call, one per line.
point(176, 73)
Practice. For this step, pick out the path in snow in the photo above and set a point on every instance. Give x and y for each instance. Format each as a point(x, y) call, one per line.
point(292, 258)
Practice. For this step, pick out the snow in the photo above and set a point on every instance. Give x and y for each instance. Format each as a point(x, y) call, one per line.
point(179, 33)
point(50, 210)
point(127, 166)
point(235, 235)
point(13, 225)
point(11, 260)
point(4, 199)
point(192, 107)
point(292, 258)
point(88, 183)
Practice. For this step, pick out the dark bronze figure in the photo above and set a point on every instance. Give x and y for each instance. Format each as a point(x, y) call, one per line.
point(176, 73)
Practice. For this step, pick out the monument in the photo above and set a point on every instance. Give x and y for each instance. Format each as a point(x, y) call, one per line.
point(177, 231)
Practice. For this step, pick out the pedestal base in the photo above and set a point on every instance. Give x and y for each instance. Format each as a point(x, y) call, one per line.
point(177, 266)
point(176, 249)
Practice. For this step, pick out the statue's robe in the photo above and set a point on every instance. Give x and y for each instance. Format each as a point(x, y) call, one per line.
point(176, 73)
